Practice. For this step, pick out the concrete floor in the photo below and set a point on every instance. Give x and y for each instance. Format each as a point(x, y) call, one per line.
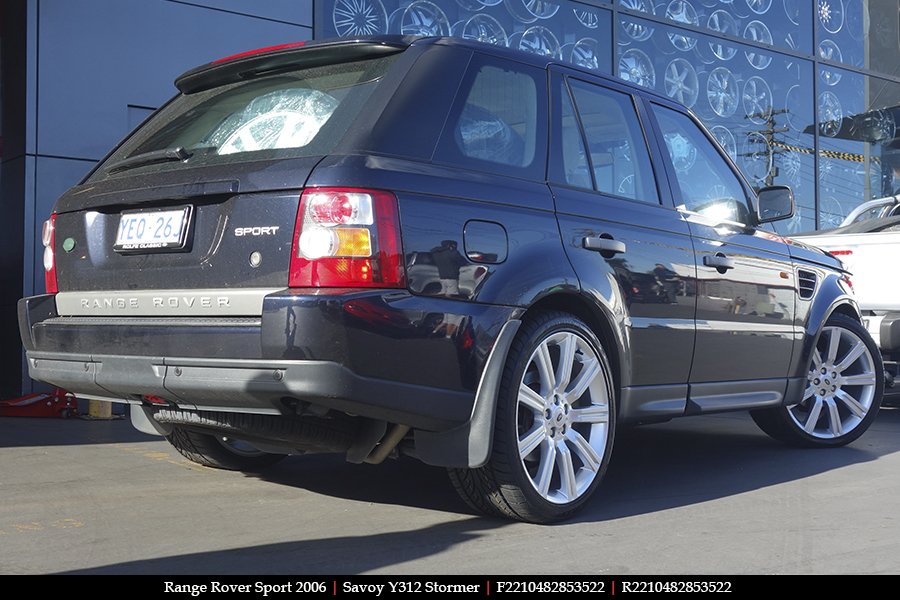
point(707, 495)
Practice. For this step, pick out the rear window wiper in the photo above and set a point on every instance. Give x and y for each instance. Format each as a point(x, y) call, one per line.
point(149, 158)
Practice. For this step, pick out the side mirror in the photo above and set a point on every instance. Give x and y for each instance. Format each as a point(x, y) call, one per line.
point(774, 203)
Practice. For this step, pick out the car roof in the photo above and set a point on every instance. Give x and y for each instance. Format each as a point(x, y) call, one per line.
point(238, 66)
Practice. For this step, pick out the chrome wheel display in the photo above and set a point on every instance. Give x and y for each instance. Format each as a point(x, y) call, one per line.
point(757, 99)
point(757, 31)
point(795, 107)
point(585, 53)
point(682, 11)
point(681, 82)
point(831, 15)
point(721, 21)
point(757, 158)
point(637, 31)
point(828, 50)
point(484, 28)
point(635, 66)
point(359, 17)
point(562, 417)
point(588, 18)
point(830, 114)
point(790, 166)
point(760, 7)
point(840, 385)
point(792, 10)
point(529, 11)
point(722, 92)
point(539, 40)
point(726, 139)
point(422, 18)
point(682, 151)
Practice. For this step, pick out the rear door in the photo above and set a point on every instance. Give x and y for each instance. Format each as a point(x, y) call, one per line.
point(630, 248)
point(745, 279)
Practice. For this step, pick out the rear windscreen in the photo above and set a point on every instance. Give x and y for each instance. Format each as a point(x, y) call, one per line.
point(291, 114)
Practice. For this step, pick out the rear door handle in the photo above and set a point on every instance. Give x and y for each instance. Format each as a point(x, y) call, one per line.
point(604, 244)
point(719, 261)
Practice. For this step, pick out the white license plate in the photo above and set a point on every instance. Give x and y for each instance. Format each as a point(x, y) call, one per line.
point(155, 230)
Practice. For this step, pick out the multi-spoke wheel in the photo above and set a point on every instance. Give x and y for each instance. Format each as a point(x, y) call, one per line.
point(554, 425)
point(220, 451)
point(843, 390)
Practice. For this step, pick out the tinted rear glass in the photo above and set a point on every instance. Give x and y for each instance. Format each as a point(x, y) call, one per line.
point(293, 114)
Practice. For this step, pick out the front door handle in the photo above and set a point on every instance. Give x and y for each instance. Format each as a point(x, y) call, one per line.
point(721, 262)
point(604, 244)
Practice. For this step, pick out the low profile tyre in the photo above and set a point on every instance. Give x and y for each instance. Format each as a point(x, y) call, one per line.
point(554, 426)
point(843, 391)
point(220, 451)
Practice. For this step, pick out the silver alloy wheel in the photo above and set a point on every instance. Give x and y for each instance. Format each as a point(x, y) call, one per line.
point(562, 415)
point(239, 447)
point(840, 386)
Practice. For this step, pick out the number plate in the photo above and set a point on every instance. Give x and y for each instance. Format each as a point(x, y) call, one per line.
point(153, 230)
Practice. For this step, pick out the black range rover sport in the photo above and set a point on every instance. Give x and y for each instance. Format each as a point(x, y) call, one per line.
point(477, 257)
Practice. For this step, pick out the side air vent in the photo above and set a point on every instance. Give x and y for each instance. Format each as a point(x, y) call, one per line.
point(807, 281)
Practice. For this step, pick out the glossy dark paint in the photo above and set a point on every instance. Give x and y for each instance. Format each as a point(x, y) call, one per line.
point(437, 336)
point(215, 257)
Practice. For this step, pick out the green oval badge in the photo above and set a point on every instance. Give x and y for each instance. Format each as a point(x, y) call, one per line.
point(69, 244)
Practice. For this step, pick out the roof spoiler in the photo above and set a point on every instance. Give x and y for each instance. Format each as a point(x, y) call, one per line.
point(300, 55)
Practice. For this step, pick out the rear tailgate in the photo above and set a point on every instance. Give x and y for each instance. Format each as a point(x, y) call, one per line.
point(231, 241)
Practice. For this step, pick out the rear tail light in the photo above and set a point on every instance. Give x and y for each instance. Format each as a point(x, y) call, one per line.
point(48, 238)
point(347, 237)
point(841, 252)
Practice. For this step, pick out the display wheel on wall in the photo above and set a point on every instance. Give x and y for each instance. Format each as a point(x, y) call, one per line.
point(757, 31)
point(540, 40)
point(586, 17)
point(831, 114)
point(420, 18)
point(484, 28)
point(759, 7)
point(757, 98)
point(635, 66)
point(722, 92)
point(359, 17)
point(722, 22)
point(529, 11)
point(726, 139)
point(682, 11)
point(830, 14)
point(681, 82)
point(682, 151)
point(585, 53)
point(792, 10)
point(829, 50)
point(756, 158)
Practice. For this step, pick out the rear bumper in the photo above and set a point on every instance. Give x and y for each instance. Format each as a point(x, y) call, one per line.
point(381, 354)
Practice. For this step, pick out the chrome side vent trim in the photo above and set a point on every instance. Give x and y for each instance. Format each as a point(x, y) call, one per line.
point(806, 281)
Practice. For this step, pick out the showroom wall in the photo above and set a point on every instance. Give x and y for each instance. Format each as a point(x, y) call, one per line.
point(93, 70)
point(791, 88)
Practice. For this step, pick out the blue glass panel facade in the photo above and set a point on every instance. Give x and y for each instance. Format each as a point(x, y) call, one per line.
point(799, 92)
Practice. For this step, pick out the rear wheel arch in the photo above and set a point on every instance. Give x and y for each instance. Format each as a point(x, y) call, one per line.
point(600, 322)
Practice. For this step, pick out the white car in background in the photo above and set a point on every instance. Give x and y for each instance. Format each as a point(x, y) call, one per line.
point(868, 243)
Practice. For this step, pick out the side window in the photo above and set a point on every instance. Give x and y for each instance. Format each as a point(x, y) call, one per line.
point(495, 124)
point(618, 153)
point(576, 170)
point(708, 185)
